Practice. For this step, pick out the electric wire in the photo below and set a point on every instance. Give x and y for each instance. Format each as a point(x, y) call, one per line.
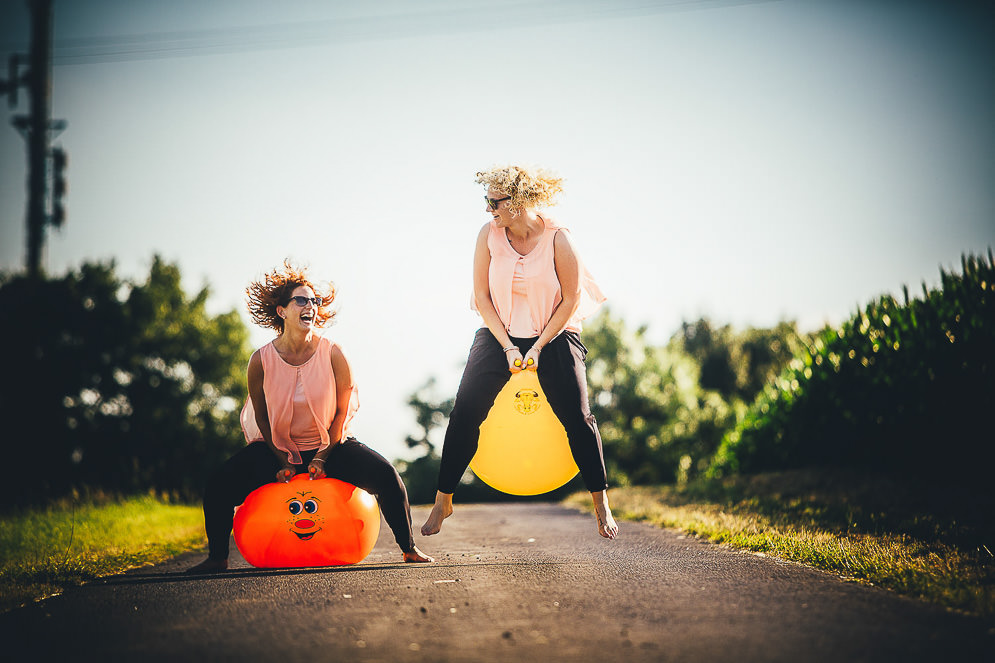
point(302, 34)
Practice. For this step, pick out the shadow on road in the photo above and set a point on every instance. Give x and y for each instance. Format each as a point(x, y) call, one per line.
point(232, 574)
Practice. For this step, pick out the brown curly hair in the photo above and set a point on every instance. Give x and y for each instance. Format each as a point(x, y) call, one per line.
point(528, 186)
point(275, 288)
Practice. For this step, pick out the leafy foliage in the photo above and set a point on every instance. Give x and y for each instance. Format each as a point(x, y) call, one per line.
point(117, 386)
point(421, 475)
point(663, 410)
point(738, 365)
point(906, 388)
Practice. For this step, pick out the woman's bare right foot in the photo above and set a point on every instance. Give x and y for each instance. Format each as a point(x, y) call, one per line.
point(209, 566)
point(416, 556)
point(442, 509)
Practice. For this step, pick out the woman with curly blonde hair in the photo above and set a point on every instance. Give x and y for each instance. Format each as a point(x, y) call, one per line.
point(301, 398)
point(532, 291)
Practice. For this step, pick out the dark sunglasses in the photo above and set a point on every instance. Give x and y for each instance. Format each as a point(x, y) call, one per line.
point(302, 301)
point(492, 203)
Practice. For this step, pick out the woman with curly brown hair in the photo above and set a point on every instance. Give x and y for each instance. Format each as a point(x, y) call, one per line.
point(301, 398)
point(532, 291)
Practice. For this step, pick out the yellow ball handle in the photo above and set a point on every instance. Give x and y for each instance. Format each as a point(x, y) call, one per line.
point(518, 362)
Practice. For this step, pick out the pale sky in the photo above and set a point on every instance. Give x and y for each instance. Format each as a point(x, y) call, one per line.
point(748, 161)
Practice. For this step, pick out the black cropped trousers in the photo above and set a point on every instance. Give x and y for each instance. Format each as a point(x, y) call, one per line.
point(563, 378)
point(350, 461)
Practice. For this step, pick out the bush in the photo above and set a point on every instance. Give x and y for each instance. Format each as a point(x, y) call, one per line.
point(904, 388)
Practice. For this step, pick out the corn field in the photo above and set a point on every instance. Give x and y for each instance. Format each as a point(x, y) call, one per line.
point(902, 387)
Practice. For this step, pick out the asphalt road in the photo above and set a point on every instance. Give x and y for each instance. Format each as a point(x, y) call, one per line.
point(513, 582)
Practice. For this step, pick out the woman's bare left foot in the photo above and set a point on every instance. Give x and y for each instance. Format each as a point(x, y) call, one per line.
point(607, 527)
point(417, 557)
point(442, 509)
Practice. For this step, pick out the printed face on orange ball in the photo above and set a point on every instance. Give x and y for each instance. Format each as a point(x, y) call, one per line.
point(306, 522)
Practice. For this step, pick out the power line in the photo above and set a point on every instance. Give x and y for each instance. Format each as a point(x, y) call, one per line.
point(301, 34)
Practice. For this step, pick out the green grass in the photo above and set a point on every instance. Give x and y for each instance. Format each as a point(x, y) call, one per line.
point(44, 550)
point(864, 529)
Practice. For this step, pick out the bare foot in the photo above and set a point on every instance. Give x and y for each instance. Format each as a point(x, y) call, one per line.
point(442, 509)
point(417, 556)
point(607, 527)
point(209, 566)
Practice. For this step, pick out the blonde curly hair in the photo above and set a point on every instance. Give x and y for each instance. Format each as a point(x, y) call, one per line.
point(275, 288)
point(529, 186)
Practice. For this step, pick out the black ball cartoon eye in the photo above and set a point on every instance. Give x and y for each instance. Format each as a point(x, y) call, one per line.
point(310, 506)
point(295, 507)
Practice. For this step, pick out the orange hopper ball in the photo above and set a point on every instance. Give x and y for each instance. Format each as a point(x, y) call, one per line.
point(305, 522)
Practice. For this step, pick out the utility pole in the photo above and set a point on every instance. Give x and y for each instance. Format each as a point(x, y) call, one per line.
point(37, 128)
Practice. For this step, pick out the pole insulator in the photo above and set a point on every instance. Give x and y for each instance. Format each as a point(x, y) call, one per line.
point(60, 161)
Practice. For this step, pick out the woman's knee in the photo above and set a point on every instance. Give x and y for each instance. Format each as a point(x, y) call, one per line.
point(466, 418)
point(378, 475)
point(390, 479)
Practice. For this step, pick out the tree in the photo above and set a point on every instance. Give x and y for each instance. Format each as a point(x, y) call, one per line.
point(663, 411)
point(647, 401)
point(431, 414)
point(117, 386)
point(738, 364)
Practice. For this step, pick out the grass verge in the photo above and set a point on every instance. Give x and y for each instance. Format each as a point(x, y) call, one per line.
point(864, 529)
point(45, 550)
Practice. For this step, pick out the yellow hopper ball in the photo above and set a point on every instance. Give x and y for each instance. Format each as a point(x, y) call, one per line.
point(523, 449)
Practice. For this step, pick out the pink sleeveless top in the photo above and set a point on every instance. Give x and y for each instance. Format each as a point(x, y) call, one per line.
point(527, 303)
point(279, 384)
point(304, 429)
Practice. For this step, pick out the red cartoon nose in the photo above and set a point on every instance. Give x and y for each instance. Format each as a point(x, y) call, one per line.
point(304, 524)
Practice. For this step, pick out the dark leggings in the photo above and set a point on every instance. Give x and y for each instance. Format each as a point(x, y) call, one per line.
point(350, 461)
point(563, 378)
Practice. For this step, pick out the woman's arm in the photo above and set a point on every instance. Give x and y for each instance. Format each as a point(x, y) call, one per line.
point(258, 398)
point(482, 294)
point(568, 274)
point(342, 372)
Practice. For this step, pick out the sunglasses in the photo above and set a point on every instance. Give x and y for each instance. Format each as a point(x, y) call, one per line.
point(492, 203)
point(302, 301)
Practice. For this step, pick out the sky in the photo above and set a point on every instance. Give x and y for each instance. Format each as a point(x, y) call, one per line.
point(749, 161)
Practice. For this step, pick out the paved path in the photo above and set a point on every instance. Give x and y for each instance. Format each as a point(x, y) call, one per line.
point(520, 582)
